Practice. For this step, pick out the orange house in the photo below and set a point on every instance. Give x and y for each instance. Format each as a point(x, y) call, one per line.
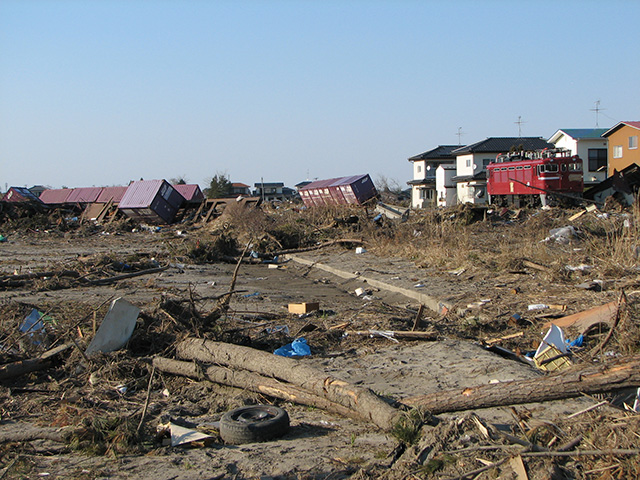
point(623, 145)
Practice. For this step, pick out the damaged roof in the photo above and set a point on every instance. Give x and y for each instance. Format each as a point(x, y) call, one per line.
point(111, 193)
point(55, 196)
point(190, 191)
point(83, 195)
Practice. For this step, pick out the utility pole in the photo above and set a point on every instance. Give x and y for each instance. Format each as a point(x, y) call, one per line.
point(597, 109)
point(519, 122)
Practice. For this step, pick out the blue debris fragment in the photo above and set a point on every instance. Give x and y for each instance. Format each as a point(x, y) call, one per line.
point(575, 343)
point(297, 348)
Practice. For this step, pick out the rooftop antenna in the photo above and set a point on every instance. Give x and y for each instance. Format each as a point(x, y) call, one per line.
point(460, 134)
point(520, 122)
point(597, 109)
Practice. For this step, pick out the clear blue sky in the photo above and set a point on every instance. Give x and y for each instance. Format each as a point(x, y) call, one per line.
point(103, 92)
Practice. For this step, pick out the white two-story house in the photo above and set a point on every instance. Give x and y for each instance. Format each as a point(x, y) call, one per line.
point(423, 185)
point(590, 146)
point(472, 161)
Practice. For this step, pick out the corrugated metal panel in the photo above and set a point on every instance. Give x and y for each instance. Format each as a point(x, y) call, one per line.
point(20, 194)
point(55, 196)
point(190, 192)
point(140, 194)
point(111, 193)
point(84, 195)
point(153, 201)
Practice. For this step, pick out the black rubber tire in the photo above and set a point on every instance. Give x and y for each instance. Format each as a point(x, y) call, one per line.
point(253, 423)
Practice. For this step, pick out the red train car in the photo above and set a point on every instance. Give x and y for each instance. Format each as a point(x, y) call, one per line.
point(535, 178)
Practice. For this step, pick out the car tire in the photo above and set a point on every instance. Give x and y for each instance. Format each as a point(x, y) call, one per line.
point(253, 423)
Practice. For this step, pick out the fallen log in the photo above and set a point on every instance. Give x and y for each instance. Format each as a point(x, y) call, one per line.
point(26, 432)
point(15, 369)
point(32, 276)
point(624, 373)
point(253, 382)
point(361, 400)
point(117, 278)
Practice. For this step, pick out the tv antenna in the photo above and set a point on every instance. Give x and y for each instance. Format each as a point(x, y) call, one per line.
point(460, 134)
point(597, 109)
point(519, 123)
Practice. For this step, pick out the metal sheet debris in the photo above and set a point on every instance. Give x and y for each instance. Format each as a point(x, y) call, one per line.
point(116, 328)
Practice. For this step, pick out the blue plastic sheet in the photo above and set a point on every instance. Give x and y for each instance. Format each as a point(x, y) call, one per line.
point(297, 348)
point(576, 343)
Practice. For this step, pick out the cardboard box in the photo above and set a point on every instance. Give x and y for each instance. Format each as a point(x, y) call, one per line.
point(303, 307)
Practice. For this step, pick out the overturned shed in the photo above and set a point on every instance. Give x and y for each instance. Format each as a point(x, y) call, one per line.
point(356, 189)
point(151, 201)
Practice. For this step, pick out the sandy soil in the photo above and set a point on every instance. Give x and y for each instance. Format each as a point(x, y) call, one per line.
point(319, 445)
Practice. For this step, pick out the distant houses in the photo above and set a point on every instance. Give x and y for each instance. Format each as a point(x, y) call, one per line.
point(447, 175)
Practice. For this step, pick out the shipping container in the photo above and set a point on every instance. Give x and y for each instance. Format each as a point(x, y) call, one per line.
point(356, 189)
point(151, 201)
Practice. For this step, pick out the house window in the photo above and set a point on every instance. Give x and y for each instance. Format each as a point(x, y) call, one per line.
point(418, 168)
point(617, 151)
point(485, 162)
point(597, 158)
point(633, 142)
point(468, 164)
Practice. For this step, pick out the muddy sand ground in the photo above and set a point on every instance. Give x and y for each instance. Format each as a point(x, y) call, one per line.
point(319, 444)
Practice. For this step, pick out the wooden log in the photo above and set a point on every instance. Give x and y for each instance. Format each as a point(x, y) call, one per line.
point(32, 276)
point(15, 369)
point(253, 382)
point(26, 432)
point(361, 400)
point(624, 373)
point(117, 278)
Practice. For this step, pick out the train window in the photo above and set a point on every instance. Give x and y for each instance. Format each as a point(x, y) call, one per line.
point(518, 168)
point(527, 167)
point(575, 167)
point(512, 168)
point(564, 167)
point(503, 169)
point(549, 167)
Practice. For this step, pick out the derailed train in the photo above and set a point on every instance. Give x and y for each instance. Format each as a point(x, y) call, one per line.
point(534, 178)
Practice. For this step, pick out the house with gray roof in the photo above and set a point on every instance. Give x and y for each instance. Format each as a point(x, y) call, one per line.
point(423, 184)
point(590, 146)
